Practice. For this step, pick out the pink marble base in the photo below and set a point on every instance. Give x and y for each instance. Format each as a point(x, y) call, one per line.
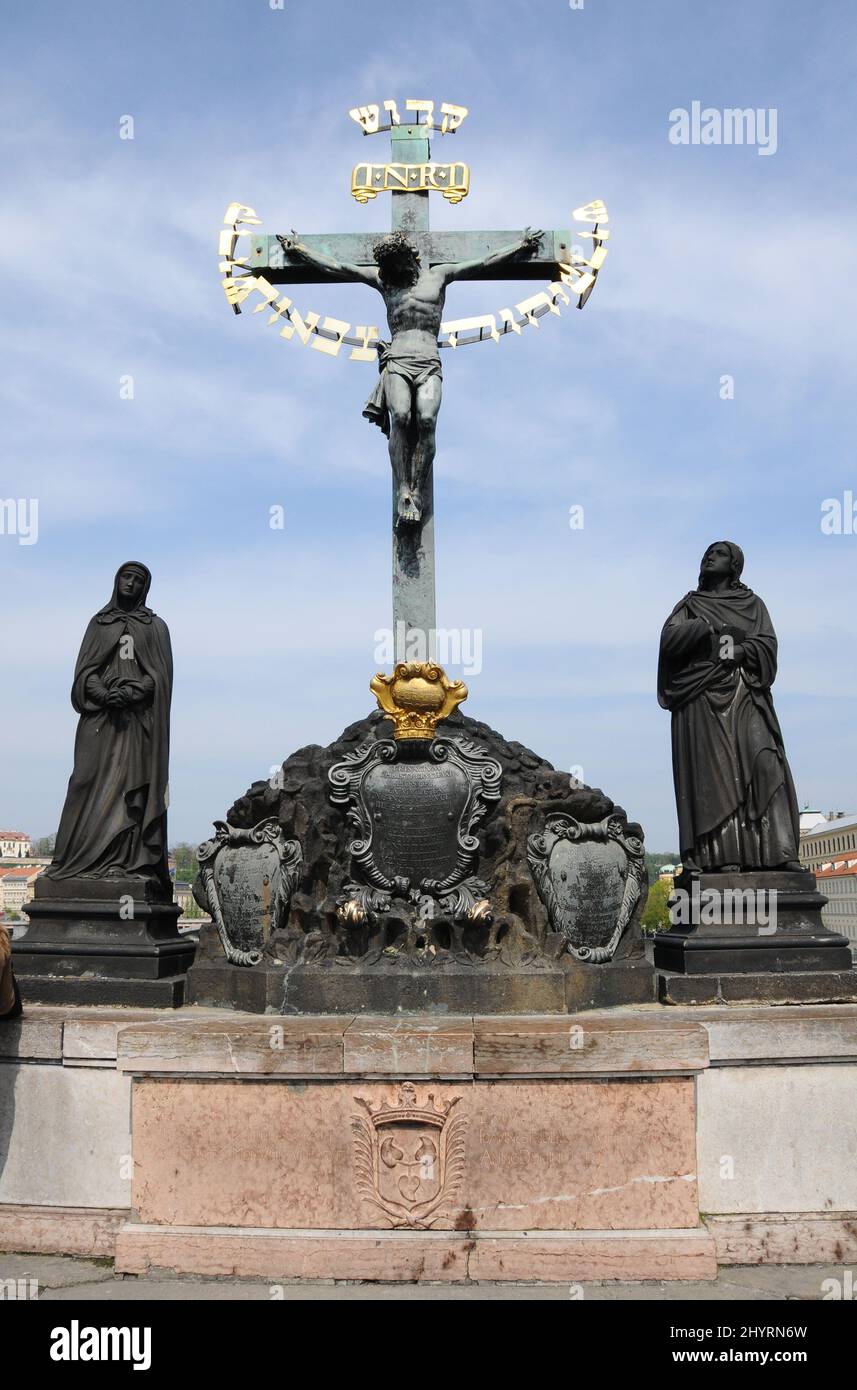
point(559, 1155)
point(410, 1256)
point(86, 1231)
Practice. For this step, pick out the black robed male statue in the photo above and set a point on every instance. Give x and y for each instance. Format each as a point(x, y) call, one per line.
point(406, 400)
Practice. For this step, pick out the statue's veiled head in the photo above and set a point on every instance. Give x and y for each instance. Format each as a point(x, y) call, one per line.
point(723, 560)
point(131, 585)
point(398, 260)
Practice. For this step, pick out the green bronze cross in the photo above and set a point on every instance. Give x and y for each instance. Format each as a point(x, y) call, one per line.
point(351, 257)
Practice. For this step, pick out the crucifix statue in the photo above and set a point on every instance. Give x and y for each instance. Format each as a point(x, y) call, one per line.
point(406, 401)
point(411, 267)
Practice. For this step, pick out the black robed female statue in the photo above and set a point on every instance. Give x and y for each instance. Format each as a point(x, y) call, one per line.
point(114, 822)
point(736, 800)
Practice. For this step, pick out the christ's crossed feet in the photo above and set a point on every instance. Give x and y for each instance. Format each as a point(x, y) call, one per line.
point(408, 505)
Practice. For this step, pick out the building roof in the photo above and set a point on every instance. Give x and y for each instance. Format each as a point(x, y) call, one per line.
point(13, 835)
point(831, 827)
point(840, 868)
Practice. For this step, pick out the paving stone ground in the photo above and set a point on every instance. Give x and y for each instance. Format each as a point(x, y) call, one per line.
point(60, 1277)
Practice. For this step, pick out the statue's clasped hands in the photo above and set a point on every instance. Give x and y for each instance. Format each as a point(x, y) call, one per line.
point(118, 698)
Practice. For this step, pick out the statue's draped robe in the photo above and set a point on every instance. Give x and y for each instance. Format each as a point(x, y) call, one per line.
point(734, 791)
point(114, 821)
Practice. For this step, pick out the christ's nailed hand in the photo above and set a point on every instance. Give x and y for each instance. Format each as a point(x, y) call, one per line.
point(531, 238)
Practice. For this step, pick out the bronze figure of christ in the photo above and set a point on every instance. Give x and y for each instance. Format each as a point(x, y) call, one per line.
point(406, 400)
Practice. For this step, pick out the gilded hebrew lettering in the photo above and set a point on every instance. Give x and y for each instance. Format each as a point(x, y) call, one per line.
point(591, 212)
point(452, 116)
point(365, 353)
point(366, 116)
point(480, 321)
point(331, 346)
point(428, 106)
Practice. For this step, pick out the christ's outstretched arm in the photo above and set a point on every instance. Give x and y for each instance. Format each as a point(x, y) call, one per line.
point(333, 270)
point(462, 270)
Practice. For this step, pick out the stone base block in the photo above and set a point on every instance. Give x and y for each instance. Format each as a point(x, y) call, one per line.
point(463, 989)
point(64, 1136)
point(777, 1138)
point(498, 1155)
point(417, 1257)
point(750, 923)
point(630, 981)
point(691, 956)
point(448, 1149)
point(85, 1231)
point(98, 941)
point(73, 958)
point(89, 990)
point(790, 987)
point(785, 1238)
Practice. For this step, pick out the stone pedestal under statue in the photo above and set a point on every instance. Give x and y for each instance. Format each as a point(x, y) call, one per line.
point(758, 935)
point(448, 1149)
point(102, 941)
point(408, 988)
point(442, 870)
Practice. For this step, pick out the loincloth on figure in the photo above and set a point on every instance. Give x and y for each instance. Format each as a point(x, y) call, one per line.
point(416, 368)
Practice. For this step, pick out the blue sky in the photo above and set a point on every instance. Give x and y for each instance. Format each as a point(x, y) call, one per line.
point(722, 261)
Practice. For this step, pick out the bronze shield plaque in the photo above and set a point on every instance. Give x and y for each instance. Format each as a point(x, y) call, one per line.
point(247, 882)
point(589, 876)
point(415, 809)
point(247, 878)
point(589, 880)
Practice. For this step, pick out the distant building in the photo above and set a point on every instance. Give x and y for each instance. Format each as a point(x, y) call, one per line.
point(839, 884)
point(14, 844)
point(810, 819)
point(832, 838)
point(4, 870)
point(667, 873)
point(192, 916)
point(828, 848)
point(182, 894)
point(17, 886)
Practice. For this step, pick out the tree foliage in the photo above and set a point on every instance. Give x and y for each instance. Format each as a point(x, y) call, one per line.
point(187, 863)
point(656, 915)
point(655, 862)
